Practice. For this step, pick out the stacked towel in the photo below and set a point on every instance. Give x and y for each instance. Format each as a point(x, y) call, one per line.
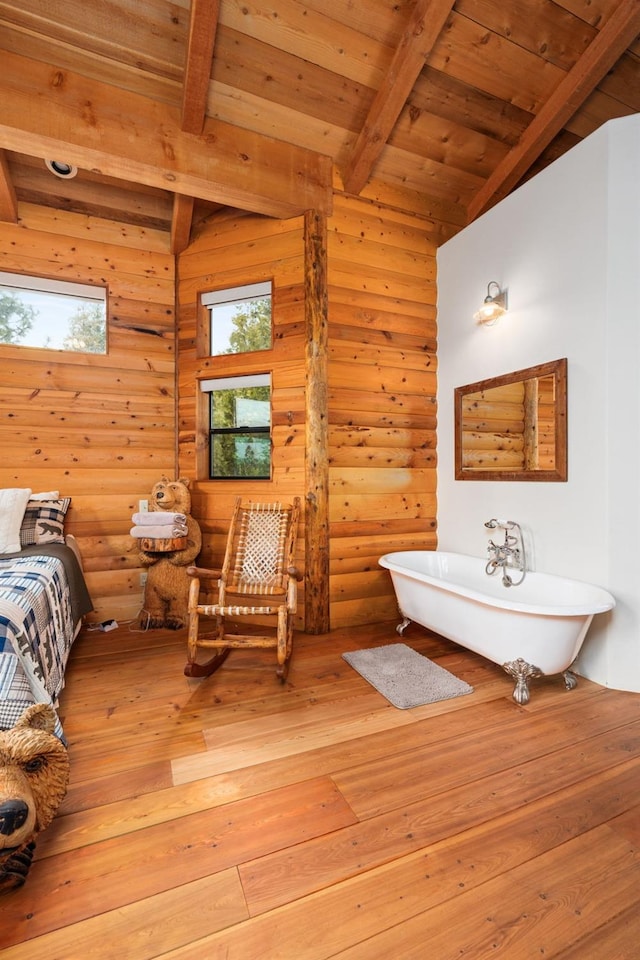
point(159, 524)
point(160, 532)
point(153, 517)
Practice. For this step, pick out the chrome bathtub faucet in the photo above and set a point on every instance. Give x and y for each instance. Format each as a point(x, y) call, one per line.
point(510, 553)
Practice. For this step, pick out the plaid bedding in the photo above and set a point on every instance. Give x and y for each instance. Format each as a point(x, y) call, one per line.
point(36, 633)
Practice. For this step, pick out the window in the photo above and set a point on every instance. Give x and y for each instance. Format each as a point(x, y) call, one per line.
point(240, 427)
point(55, 314)
point(240, 318)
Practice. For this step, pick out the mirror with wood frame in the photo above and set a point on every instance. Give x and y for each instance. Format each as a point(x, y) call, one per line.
point(513, 427)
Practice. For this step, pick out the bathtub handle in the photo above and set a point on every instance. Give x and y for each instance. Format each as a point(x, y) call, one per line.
point(495, 523)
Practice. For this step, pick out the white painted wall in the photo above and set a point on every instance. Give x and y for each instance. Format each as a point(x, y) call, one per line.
point(567, 247)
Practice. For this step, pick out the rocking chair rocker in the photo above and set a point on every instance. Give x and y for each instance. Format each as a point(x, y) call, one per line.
point(259, 576)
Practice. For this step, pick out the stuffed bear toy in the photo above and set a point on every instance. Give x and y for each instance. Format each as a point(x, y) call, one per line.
point(34, 773)
point(166, 594)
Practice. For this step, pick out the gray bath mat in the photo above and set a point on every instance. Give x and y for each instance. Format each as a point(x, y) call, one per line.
point(404, 677)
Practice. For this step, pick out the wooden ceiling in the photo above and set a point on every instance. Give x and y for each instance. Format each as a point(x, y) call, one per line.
point(174, 110)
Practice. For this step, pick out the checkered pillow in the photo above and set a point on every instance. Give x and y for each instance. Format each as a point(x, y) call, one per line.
point(43, 521)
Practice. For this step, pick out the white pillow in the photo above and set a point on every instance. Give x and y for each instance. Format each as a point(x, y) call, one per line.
point(48, 495)
point(13, 503)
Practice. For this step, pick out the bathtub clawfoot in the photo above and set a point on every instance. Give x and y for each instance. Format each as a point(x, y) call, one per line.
point(522, 672)
point(542, 622)
point(570, 679)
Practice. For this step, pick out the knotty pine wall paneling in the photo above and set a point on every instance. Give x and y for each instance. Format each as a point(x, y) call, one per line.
point(228, 252)
point(381, 385)
point(382, 400)
point(100, 429)
point(493, 428)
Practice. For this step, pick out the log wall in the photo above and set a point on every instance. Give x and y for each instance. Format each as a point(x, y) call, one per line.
point(100, 429)
point(381, 461)
point(382, 400)
point(103, 429)
point(493, 428)
point(511, 427)
point(229, 252)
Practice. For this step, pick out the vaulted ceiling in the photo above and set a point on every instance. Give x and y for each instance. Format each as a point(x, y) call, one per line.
point(172, 111)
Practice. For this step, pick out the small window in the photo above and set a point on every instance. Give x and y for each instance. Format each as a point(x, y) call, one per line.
point(240, 318)
point(54, 314)
point(240, 427)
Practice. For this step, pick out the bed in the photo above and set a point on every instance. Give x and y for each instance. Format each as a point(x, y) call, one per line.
point(43, 598)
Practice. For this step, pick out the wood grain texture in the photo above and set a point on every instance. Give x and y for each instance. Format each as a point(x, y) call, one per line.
point(284, 96)
point(78, 118)
point(8, 198)
point(450, 105)
point(413, 48)
point(222, 817)
point(99, 429)
point(203, 23)
point(317, 602)
point(364, 378)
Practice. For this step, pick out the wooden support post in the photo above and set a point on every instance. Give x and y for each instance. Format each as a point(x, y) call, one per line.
point(531, 424)
point(8, 199)
point(317, 424)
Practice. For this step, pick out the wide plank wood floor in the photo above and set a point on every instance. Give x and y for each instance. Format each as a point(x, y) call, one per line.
point(235, 818)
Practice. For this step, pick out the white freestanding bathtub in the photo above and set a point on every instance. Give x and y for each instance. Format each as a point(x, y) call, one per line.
point(531, 630)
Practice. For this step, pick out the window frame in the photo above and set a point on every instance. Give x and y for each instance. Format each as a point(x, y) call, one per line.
point(83, 292)
point(228, 365)
point(233, 296)
point(229, 382)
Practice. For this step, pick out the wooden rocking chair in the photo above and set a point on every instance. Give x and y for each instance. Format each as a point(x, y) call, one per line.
point(258, 579)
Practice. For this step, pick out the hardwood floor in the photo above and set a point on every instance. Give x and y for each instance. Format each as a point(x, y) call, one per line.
point(241, 819)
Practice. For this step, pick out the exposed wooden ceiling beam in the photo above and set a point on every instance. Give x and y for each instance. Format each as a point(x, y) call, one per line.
point(51, 112)
point(203, 24)
point(202, 36)
point(422, 31)
point(181, 223)
point(608, 45)
point(8, 199)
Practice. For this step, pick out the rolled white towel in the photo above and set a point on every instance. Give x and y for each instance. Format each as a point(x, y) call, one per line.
point(154, 517)
point(160, 531)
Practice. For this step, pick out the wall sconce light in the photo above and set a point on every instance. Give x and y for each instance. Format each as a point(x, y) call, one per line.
point(494, 306)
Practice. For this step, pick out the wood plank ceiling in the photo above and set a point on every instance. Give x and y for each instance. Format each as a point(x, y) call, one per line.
point(174, 110)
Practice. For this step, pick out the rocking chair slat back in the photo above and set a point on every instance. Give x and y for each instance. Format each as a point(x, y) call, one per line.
point(263, 548)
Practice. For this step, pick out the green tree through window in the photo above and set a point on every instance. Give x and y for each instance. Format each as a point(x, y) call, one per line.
point(241, 415)
point(241, 431)
point(251, 326)
point(16, 318)
point(87, 330)
point(52, 314)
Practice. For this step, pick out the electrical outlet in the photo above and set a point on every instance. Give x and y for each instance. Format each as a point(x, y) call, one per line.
point(143, 577)
point(143, 506)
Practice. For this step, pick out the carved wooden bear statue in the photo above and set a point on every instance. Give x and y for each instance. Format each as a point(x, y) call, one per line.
point(166, 595)
point(34, 773)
